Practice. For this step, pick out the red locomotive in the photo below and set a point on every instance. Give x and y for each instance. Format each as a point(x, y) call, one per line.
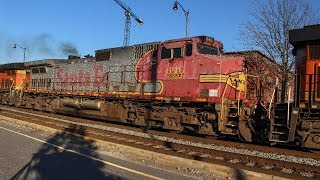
point(181, 84)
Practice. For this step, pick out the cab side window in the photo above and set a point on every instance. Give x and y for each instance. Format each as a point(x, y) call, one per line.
point(177, 53)
point(188, 49)
point(165, 53)
point(314, 52)
point(171, 53)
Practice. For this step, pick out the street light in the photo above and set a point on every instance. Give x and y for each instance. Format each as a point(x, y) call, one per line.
point(24, 51)
point(186, 13)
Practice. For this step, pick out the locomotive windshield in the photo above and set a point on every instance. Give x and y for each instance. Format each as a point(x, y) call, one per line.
point(205, 49)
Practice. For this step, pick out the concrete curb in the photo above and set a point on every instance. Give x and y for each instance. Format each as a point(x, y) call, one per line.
point(168, 160)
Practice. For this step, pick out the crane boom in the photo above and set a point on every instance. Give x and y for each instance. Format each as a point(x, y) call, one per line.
point(126, 8)
point(128, 13)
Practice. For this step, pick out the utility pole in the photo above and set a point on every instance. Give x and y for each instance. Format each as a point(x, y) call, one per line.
point(24, 51)
point(186, 14)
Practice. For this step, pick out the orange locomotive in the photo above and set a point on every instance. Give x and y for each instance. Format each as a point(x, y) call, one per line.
point(299, 123)
point(13, 76)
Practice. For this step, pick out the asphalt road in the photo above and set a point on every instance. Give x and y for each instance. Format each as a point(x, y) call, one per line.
point(24, 155)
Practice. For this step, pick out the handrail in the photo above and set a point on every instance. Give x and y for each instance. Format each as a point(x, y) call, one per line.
point(272, 98)
point(288, 114)
point(238, 104)
point(222, 97)
point(11, 87)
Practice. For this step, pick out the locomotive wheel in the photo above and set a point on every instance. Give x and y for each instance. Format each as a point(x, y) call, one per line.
point(206, 129)
point(148, 126)
point(178, 131)
point(245, 131)
point(191, 129)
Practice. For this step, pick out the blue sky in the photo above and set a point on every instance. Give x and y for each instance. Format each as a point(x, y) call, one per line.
point(42, 26)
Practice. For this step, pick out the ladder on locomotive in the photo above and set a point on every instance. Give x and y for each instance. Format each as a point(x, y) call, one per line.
point(233, 120)
point(283, 123)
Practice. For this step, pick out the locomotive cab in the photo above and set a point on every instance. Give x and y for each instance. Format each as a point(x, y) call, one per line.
point(306, 42)
point(187, 47)
point(308, 75)
point(195, 69)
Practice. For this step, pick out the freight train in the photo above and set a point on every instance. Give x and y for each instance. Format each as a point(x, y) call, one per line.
point(186, 84)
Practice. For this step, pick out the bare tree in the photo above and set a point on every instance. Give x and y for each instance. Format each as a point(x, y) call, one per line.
point(268, 30)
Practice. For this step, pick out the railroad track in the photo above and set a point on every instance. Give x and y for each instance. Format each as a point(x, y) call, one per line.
point(275, 161)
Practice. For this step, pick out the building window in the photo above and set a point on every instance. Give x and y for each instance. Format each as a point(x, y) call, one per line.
point(314, 51)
